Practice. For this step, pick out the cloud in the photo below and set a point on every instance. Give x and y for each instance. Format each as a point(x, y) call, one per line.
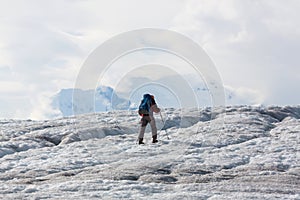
point(254, 44)
point(44, 45)
point(11, 87)
point(43, 108)
point(243, 96)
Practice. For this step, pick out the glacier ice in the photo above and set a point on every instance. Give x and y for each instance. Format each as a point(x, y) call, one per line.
point(254, 154)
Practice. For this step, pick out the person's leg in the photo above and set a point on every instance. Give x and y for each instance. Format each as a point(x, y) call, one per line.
point(154, 130)
point(144, 122)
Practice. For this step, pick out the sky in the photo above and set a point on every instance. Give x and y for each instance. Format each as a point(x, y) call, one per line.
point(43, 44)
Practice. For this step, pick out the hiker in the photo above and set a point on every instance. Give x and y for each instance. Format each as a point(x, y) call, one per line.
point(146, 109)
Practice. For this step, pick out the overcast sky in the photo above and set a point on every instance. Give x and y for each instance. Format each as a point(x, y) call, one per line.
point(255, 44)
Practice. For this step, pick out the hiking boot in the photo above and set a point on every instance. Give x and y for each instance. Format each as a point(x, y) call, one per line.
point(141, 141)
point(154, 137)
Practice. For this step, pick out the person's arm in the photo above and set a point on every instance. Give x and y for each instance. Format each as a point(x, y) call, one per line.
point(155, 108)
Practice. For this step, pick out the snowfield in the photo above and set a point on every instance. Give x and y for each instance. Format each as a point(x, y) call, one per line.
point(244, 153)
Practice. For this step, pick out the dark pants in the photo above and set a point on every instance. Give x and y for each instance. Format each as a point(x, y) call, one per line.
point(144, 122)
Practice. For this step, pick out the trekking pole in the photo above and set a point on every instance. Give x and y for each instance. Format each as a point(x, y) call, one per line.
point(139, 129)
point(164, 125)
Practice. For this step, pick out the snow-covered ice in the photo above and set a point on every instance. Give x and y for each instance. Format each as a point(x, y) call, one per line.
point(245, 153)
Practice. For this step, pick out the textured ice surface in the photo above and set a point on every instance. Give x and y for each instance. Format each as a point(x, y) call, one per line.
point(244, 153)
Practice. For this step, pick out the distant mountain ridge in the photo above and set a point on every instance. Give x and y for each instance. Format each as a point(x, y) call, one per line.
point(104, 98)
point(98, 100)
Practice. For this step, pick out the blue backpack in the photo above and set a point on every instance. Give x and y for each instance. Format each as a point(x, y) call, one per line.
point(145, 105)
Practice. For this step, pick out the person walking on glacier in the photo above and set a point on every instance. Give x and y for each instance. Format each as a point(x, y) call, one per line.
point(146, 109)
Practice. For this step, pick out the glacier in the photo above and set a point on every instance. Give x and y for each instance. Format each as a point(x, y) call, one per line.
point(245, 152)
